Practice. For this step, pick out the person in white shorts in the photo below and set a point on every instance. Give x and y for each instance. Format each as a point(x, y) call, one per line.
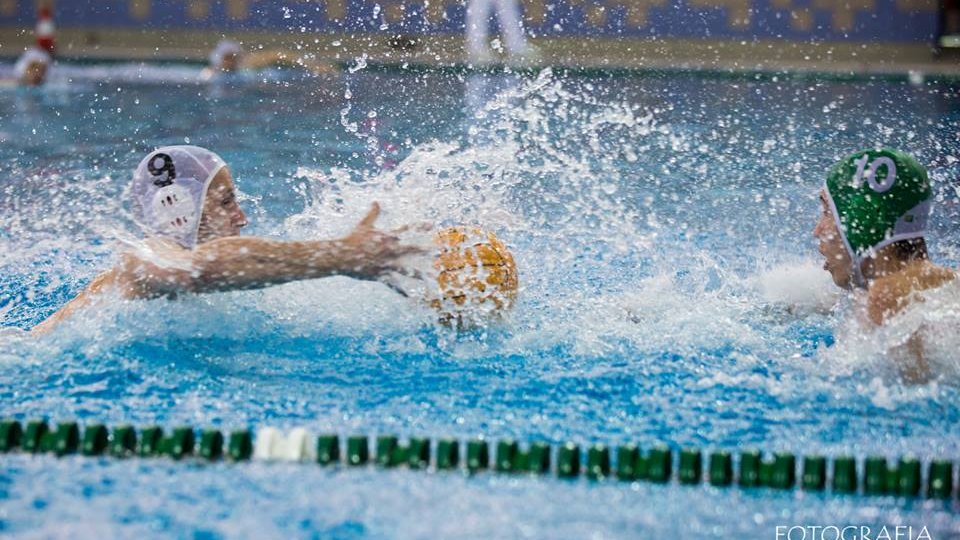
point(511, 28)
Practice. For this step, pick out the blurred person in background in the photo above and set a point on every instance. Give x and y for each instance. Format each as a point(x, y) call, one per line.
point(511, 28)
point(230, 57)
point(32, 67)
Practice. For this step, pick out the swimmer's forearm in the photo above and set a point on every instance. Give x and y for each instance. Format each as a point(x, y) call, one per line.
point(269, 58)
point(251, 263)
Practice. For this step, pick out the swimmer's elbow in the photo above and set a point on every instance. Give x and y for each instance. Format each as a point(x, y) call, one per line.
point(210, 274)
point(220, 275)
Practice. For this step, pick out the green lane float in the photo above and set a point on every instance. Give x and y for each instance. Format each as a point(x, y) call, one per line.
point(387, 455)
point(721, 469)
point(508, 456)
point(814, 477)
point(844, 475)
point(10, 435)
point(750, 468)
point(940, 479)
point(211, 444)
point(908, 477)
point(598, 462)
point(179, 444)
point(150, 441)
point(358, 450)
point(328, 449)
point(568, 461)
point(875, 472)
point(783, 473)
point(240, 445)
point(478, 455)
point(448, 454)
point(660, 464)
point(96, 438)
point(35, 431)
point(417, 453)
point(628, 462)
point(538, 458)
point(123, 443)
point(691, 466)
point(390, 453)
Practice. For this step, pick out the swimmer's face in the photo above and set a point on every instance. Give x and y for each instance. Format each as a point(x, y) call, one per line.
point(230, 62)
point(837, 259)
point(222, 215)
point(35, 74)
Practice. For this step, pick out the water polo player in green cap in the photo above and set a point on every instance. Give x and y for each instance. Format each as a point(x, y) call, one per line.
point(875, 207)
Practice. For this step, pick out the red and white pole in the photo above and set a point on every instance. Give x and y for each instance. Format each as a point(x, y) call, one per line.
point(45, 30)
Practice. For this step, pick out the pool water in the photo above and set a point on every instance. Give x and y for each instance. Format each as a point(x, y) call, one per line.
point(670, 292)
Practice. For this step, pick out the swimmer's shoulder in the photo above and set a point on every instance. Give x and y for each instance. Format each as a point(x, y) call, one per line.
point(153, 267)
point(890, 294)
point(163, 245)
point(144, 271)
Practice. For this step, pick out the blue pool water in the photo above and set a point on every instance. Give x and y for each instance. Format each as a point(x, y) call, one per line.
point(671, 292)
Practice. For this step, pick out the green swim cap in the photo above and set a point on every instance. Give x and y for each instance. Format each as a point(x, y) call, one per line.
point(878, 197)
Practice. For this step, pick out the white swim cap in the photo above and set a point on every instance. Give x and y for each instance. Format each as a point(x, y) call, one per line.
point(169, 187)
point(32, 55)
point(222, 49)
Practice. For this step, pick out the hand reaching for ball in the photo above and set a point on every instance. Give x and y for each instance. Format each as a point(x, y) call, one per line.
point(373, 253)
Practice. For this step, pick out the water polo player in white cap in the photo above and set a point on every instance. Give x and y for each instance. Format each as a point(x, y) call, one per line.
point(32, 66)
point(230, 57)
point(185, 198)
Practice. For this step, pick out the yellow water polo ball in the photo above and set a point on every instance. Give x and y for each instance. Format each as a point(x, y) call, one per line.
point(476, 274)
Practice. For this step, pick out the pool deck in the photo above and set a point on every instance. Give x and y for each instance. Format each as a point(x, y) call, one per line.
point(824, 58)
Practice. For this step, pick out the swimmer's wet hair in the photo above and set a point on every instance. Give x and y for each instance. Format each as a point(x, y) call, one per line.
point(910, 250)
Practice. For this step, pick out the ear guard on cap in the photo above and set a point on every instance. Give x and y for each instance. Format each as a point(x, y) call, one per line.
point(169, 187)
point(878, 197)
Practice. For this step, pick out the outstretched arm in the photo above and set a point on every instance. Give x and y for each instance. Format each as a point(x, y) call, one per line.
point(283, 58)
point(236, 263)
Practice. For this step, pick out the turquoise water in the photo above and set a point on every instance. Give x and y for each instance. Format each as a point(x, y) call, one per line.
point(671, 292)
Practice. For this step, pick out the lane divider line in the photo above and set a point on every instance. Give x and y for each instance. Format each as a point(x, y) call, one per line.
point(874, 476)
